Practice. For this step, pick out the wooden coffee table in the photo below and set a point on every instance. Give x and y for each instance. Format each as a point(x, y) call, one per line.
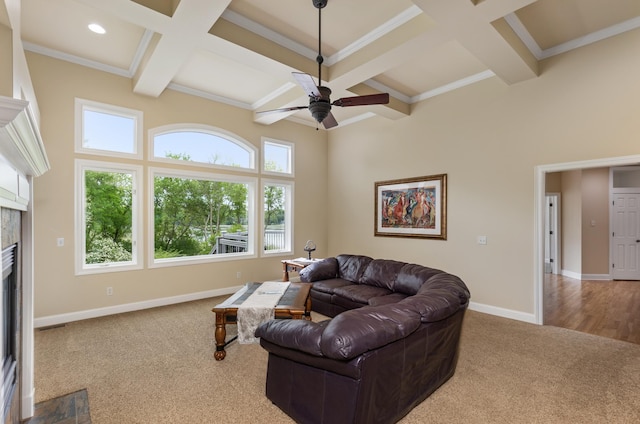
point(295, 303)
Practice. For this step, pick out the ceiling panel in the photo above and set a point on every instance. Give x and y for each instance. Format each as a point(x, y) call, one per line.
point(62, 25)
point(440, 66)
point(553, 22)
point(213, 73)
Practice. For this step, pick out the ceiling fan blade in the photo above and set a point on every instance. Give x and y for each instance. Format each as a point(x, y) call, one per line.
point(307, 83)
point(330, 121)
point(284, 109)
point(370, 99)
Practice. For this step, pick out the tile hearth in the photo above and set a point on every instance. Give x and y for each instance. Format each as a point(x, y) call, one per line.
point(68, 409)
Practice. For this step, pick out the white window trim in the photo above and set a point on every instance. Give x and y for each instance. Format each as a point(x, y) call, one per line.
point(252, 226)
point(288, 216)
point(218, 132)
point(82, 104)
point(81, 268)
point(290, 146)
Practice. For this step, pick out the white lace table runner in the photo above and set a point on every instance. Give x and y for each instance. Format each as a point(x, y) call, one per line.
point(259, 307)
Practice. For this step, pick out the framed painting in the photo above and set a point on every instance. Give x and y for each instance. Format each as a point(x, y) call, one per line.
point(412, 207)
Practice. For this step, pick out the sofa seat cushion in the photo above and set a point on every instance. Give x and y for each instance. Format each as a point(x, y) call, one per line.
point(384, 300)
point(360, 293)
point(329, 286)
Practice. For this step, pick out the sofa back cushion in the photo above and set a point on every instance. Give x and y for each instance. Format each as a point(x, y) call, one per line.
point(411, 277)
point(382, 273)
point(356, 331)
point(351, 267)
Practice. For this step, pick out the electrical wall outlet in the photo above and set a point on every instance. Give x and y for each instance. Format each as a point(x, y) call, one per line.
point(60, 241)
point(482, 239)
point(238, 275)
point(109, 291)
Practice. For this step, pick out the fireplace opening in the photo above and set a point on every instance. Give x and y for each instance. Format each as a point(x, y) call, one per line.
point(9, 326)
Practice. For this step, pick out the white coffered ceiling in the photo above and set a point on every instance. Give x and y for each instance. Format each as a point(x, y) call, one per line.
point(242, 52)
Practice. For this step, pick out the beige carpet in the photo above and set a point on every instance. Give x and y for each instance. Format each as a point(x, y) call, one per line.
point(157, 366)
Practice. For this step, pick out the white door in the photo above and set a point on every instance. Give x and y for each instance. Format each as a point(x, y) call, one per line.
point(552, 234)
point(625, 237)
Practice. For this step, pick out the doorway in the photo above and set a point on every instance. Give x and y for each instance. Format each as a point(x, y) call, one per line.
point(540, 217)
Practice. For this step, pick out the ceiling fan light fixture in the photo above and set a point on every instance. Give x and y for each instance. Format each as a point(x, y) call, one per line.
point(319, 109)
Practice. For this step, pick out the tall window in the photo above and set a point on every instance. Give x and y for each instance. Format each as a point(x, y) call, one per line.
point(201, 217)
point(278, 216)
point(107, 208)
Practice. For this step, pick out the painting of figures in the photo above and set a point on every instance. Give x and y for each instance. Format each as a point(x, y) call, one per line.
point(412, 207)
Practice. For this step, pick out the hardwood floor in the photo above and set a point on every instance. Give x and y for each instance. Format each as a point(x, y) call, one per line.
point(605, 308)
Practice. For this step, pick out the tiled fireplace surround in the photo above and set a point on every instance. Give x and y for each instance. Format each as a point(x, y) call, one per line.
point(10, 234)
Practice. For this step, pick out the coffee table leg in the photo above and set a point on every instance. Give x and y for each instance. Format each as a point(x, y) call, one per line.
point(220, 336)
point(307, 309)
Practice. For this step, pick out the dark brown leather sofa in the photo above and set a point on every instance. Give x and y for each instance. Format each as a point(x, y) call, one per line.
point(393, 341)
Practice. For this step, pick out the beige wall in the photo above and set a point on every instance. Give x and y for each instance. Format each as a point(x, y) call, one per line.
point(572, 222)
point(585, 222)
point(6, 64)
point(553, 182)
point(488, 138)
point(57, 289)
point(595, 221)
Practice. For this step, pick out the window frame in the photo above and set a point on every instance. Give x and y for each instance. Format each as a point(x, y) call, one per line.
point(288, 213)
point(252, 216)
point(81, 267)
point(83, 104)
point(290, 146)
point(206, 129)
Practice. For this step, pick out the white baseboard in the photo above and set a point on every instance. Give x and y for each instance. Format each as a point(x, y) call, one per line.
point(502, 312)
point(129, 307)
point(579, 276)
point(599, 277)
point(571, 274)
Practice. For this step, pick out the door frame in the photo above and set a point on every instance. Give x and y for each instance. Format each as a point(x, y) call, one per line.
point(554, 240)
point(539, 211)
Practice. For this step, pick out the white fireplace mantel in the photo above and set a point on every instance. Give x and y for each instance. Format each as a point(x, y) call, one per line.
point(22, 157)
point(20, 141)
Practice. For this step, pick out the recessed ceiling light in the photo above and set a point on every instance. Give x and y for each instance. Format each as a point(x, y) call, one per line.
point(98, 29)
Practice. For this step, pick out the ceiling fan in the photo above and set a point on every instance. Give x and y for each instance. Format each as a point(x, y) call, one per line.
point(319, 96)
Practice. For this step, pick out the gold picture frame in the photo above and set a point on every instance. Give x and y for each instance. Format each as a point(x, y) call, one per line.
point(412, 207)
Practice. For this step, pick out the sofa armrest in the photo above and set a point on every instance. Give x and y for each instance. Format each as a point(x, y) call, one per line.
point(294, 334)
point(320, 270)
point(356, 331)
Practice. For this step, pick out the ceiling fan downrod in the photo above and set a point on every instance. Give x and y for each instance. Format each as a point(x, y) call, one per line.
point(320, 107)
point(319, 4)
